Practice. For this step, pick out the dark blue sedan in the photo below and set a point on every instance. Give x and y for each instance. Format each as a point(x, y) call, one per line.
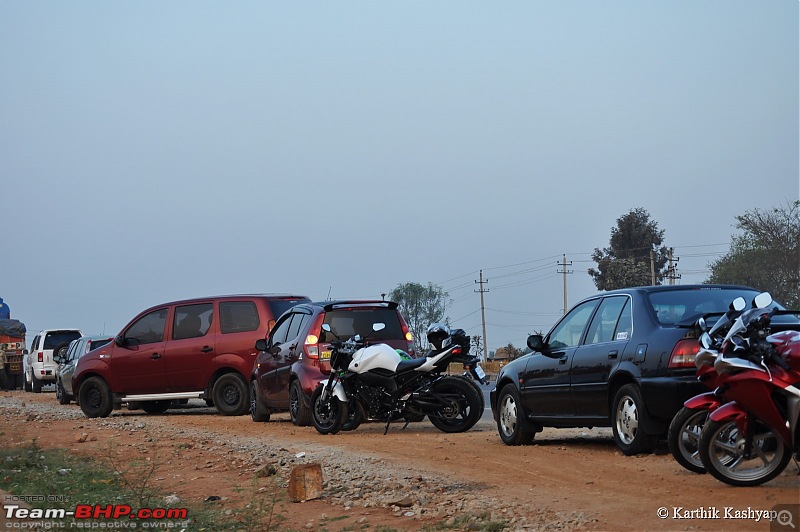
point(623, 359)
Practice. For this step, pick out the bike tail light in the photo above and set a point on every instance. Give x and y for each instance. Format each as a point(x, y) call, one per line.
point(683, 354)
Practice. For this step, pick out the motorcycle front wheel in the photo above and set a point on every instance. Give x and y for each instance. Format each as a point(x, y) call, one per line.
point(463, 405)
point(684, 437)
point(328, 415)
point(722, 451)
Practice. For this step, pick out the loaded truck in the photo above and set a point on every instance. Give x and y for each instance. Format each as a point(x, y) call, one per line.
point(12, 349)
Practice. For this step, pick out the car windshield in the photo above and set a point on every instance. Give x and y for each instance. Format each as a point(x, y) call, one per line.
point(686, 306)
point(346, 323)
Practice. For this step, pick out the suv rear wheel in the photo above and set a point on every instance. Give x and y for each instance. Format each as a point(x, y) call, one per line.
point(230, 395)
point(36, 384)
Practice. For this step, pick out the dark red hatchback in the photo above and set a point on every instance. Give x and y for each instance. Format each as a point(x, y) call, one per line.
point(296, 356)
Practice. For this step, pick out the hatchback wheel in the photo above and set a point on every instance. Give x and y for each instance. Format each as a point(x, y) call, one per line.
point(258, 412)
point(627, 415)
point(299, 411)
point(231, 395)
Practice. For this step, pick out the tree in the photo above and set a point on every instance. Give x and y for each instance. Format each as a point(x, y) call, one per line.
point(509, 352)
point(421, 306)
point(766, 255)
point(626, 262)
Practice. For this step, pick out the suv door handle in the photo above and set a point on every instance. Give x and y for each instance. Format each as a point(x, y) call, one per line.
point(612, 354)
point(206, 349)
point(155, 356)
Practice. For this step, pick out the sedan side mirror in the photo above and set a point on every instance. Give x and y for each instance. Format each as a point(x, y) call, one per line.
point(536, 342)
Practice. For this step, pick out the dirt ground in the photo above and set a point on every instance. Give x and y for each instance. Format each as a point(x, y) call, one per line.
point(563, 473)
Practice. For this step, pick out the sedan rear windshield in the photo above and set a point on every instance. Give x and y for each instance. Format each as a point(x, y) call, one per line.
point(346, 323)
point(685, 306)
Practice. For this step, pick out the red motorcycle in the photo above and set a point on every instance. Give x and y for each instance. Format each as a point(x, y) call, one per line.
point(683, 437)
point(750, 439)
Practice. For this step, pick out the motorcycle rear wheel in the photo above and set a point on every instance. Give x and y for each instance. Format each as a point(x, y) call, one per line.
point(464, 405)
point(722, 454)
point(328, 415)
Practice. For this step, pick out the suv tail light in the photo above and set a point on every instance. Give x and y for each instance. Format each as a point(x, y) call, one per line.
point(40, 356)
point(311, 344)
point(683, 354)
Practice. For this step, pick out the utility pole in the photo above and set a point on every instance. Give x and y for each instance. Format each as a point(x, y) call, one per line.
point(673, 267)
point(652, 268)
point(565, 271)
point(482, 290)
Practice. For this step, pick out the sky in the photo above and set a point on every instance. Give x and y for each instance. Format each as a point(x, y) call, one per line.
point(154, 151)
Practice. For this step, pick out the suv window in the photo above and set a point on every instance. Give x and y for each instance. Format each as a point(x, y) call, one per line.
point(192, 321)
point(346, 323)
point(149, 328)
point(238, 316)
point(57, 338)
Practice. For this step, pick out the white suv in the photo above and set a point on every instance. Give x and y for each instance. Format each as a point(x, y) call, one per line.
point(40, 369)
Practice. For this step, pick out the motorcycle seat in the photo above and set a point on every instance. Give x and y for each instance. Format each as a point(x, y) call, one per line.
point(410, 365)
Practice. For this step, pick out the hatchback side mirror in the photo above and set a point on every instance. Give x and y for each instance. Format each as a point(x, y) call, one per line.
point(261, 345)
point(536, 342)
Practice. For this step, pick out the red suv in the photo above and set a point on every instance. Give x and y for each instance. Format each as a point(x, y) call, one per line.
point(196, 348)
point(296, 356)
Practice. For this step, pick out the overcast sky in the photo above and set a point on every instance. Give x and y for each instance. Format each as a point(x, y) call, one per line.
point(151, 151)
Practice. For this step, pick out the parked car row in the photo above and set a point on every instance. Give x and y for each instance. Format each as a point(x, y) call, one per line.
point(622, 359)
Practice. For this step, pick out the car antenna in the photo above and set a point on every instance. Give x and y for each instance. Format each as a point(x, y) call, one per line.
point(329, 293)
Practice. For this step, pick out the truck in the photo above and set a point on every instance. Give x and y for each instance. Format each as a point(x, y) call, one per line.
point(12, 349)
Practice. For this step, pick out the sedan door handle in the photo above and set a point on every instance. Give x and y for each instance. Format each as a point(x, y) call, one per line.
point(155, 356)
point(563, 360)
point(612, 355)
point(206, 349)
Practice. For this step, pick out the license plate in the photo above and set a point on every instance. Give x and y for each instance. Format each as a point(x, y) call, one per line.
point(15, 367)
point(325, 355)
point(479, 371)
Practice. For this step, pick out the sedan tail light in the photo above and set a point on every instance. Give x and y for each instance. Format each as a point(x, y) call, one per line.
point(683, 354)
